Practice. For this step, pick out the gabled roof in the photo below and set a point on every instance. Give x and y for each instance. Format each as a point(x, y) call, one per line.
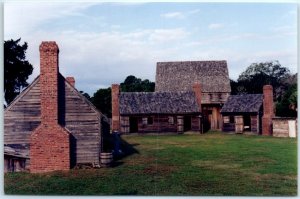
point(61, 78)
point(180, 76)
point(246, 103)
point(158, 103)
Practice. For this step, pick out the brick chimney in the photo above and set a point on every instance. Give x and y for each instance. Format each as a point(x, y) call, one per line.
point(268, 108)
point(115, 91)
point(50, 143)
point(198, 94)
point(71, 81)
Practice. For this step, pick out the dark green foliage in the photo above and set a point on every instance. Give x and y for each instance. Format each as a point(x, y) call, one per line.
point(252, 80)
point(102, 100)
point(237, 88)
point(257, 75)
point(287, 106)
point(16, 69)
point(133, 84)
point(86, 95)
point(189, 165)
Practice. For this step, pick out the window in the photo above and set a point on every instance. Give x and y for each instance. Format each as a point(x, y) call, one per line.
point(231, 119)
point(147, 120)
point(171, 120)
point(226, 119)
point(150, 120)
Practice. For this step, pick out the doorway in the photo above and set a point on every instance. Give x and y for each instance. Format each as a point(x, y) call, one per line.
point(247, 122)
point(187, 123)
point(133, 123)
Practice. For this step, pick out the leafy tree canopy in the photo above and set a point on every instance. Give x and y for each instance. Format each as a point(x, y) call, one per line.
point(133, 84)
point(16, 69)
point(287, 106)
point(102, 98)
point(257, 75)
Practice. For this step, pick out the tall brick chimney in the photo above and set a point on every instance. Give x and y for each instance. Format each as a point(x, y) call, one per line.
point(115, 91)
point(71, 81)
point(268, 108)
point(50, 143)
point(198, 93)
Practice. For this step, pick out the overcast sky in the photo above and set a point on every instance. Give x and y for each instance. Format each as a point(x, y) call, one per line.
point(103, 43)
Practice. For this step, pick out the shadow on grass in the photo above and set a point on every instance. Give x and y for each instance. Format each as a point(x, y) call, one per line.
point(126, 149)
point(119, 147)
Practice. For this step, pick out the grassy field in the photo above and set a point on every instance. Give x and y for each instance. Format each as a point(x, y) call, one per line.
point(208, 164)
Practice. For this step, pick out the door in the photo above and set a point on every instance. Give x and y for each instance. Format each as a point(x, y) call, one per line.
point(187, 123)
point(133, 123)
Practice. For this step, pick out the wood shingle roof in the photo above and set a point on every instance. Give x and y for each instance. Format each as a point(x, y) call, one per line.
point(158, 103)
point(180, 76)
point(246, 103)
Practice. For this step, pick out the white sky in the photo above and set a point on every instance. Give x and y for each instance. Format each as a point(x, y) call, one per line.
point(103, 43)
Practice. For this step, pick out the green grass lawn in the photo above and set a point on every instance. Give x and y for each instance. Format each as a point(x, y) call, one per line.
point(207, 164)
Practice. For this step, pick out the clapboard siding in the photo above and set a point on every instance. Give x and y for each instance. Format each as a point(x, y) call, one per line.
point(84, 123)
point(22, 116)
point(76, 114)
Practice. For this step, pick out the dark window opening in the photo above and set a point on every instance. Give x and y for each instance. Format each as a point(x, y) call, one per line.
point(231, 119)
point(247, 123)
point(187, 123)
point(133, 122)
point(150, 120)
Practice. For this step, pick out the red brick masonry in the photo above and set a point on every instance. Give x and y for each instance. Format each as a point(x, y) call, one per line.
point(198, 94)
point(115, 91)
point(50, 143)
point(268, 110)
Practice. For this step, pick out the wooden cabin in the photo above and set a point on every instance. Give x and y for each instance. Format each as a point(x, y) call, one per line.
point(53, 123)
point(211, 75)
point(159, 112)
point(243, 113)
point(249, 112)
point(173, 81)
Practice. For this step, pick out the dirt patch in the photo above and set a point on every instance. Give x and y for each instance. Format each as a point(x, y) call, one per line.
point(215, 164)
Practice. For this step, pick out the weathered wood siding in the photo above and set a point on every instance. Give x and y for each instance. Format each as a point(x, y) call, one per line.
point(84, 124)
point(254, 123)
point(160, 123)
point(23, 116)
point(282, 128)
point(214, 98)
point(196, 125)
point(75, 113)
point(15, 164)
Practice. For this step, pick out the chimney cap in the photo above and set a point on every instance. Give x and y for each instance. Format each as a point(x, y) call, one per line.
point(49, 46)
point(267, 87)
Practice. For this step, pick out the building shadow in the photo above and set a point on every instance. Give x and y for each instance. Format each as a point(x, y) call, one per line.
point(119, 147)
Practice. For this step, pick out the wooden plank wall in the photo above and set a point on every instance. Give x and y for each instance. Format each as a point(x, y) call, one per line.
point(160, 124)
point(84, 124)
point(214, 98)
point(23, 117)
point(254, 123)
point(74, 113)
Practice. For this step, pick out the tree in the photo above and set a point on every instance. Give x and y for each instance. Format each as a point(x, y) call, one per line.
point(287, 106)
point(133, 84)
point(86, 95)
point(102, 98)
point(16, 69)
point(257, 75)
